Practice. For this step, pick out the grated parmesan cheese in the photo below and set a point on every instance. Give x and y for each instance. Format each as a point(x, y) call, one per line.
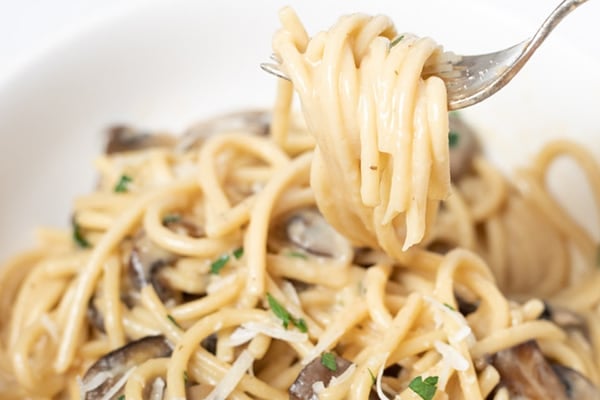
point(451, 356)
point(318, 387)
point(158, 389)
point(249, 330)
point(93, 383)
point(241, 335)
point(232, 377)
point(463, 333)
point(117, 386)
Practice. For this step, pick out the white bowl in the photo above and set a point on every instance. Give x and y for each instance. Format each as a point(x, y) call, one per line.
point(168, 64)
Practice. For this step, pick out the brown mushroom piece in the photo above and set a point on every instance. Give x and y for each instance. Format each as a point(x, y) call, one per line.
point(145, 262)
point(308, 230)
point(568, 320)
point(123, 138)
point(463, 146)
point(255, 121)
point(313, 372)
point(527, 375)
point(94, 316)
point(105, 376)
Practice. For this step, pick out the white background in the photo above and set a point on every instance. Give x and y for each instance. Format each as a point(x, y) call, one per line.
point(29, 26)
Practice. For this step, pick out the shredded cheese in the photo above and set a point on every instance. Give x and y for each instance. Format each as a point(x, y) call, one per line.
point(94, 382)
point(249, 330)
point(158, 389)
point(464, 331)
point(241, 335)
point(117, 386)
point(318, 387)
point(233, 376)
point(451, 356)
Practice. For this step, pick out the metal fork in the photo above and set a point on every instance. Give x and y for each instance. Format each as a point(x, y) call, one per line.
point(471, 79)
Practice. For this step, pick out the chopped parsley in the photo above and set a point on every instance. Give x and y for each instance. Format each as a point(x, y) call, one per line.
point(122, 185)
point(185, 377)
point(78, 236)
point(238, 253)
point(285, 317)
point(170, 318)
point(328, 361)
point(301, 325)
point(424, 388)
point(453, 138)
point(171, 218)
point(396, 41)
point(297, 254)
point(219, 264)
point(449, 307)
point(373, 379)
point(121, 397)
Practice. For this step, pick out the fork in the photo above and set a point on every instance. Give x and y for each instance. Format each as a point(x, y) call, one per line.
point(471, 79)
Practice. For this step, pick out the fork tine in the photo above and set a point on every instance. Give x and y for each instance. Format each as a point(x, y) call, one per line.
point(274, 69)
point(276, 58)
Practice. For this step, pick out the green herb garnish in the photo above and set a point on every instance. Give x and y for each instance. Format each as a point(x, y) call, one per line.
point(453, 138)
point(185, 377)
point(78, 236)
point(396, 41)
point(121, 186)
point(301, 325)
point(170, 318)
point(598, 256)
point(297, 254)
point(171, 218)
point(328, 361)
point(285, 317)
point(424, 388)
point(219, 264)
point(449, 307)
point(121, 397)
point(238, 253)
point(373, 379)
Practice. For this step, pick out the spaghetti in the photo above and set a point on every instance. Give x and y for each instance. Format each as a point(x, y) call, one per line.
point(209, 267)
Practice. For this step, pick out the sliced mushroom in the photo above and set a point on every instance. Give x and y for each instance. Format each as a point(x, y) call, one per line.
point(313, 372)
point(122, 138)
point(440, 246)
point(209, 343)
point(256, 122)
point(577, 386)
point(145, 262)
point(102, 378)
point(307, 231)
point(568, 320)
point(528, 375)
point(464, 146)
point(94, 316)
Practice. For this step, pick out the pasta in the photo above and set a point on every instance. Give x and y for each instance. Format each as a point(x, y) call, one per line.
point(329, 256)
